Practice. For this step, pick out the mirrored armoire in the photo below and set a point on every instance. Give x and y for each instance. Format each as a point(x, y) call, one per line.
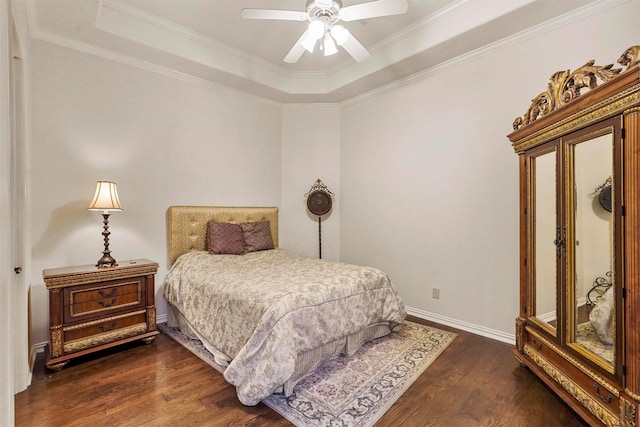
point(578, 327)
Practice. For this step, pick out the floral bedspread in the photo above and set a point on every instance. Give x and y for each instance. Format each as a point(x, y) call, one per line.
point(263, 308)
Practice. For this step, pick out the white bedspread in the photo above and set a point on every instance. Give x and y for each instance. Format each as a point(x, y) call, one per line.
point(264, 308)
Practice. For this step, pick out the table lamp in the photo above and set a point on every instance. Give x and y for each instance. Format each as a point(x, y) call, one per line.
point(105, 199)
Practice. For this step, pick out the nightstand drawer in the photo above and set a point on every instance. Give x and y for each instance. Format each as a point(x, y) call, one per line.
point(91, 334)
point(99, 299)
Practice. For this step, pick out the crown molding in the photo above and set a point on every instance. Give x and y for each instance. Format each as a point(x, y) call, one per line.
point(553, 24)
point(433, 30)
point(151, 67)
point(422, 25)
point(123, 20)
point(311, 106)
point(118, 18)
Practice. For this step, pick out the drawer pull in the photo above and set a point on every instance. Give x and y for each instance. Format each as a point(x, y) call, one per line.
point(107, 304)
point(103, 294)
point(605, 399)
point(105, 328)
point(537, 344)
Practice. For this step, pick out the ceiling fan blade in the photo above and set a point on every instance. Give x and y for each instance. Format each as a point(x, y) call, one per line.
point(373, 9)
point(355, 49)
point(296, 51)
point(284, 15)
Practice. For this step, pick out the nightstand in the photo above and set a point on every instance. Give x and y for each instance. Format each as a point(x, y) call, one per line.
point(93, 308)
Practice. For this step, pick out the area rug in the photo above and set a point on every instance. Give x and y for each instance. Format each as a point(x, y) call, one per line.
point(586, 336)
point(351, 391)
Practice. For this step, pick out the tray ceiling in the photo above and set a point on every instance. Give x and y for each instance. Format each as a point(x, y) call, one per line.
point(209, 41)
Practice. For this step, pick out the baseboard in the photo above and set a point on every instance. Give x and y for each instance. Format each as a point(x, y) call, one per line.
point(35, 350)
point(465, 326)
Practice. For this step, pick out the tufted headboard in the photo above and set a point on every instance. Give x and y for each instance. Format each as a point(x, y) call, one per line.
point(187, 225)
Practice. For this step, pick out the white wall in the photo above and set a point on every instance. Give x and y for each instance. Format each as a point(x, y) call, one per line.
point(165, 142)
point(310, 151)
point(429, 181)
point(425, 179)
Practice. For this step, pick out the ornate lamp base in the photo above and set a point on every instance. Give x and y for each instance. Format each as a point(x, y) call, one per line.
point(107, 260)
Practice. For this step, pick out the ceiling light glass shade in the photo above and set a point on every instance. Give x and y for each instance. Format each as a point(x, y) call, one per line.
point(316, 29)
point(105, 198)
point(340, 34)
point(309, 43)
point(329, 46)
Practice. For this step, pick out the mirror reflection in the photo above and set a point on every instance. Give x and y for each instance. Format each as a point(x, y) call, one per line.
point(593, 308)
point(544, 180)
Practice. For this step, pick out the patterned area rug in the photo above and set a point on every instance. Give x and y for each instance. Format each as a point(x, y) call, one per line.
point(351, 391)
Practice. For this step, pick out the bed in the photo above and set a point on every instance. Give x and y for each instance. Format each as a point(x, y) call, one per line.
point(268, 316)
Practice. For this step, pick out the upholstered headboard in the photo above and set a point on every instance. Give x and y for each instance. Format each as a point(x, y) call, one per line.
point(187, 225)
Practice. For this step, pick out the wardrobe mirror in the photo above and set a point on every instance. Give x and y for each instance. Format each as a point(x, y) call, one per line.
point(544, 231)
point(592, 309)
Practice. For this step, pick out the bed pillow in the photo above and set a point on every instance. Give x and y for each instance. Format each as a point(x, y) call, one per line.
point(257, 236)
point(225, 238)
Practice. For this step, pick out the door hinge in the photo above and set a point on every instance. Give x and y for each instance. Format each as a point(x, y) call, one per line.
point(623, 211)
point(624, 293)
point(624, 369)
point(623, 133)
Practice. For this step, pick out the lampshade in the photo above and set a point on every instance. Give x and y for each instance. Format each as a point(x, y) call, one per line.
point(329, 46)
point(105, 198)
point(316, 29)
point(309, 43)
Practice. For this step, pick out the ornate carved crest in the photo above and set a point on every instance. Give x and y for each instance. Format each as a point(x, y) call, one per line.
point(565, 86)
point(630, 57)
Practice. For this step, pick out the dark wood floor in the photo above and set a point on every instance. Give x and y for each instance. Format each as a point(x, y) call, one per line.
point(475, 382)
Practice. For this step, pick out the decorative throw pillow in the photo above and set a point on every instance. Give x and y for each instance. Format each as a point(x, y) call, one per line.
point(225, 238)
point(602, 318)
point(257, 236)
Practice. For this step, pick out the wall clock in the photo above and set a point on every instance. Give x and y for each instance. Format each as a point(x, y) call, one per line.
point(319, 203)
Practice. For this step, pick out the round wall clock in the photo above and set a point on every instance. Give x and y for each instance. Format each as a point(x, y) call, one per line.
point(319, 202)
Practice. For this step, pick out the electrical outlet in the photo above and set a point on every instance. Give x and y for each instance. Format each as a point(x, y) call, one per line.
point(435, 293)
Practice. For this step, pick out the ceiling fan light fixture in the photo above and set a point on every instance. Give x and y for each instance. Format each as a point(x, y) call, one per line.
point(323, 17)
point(329, 46)
point(340, 34)
point(316, 30)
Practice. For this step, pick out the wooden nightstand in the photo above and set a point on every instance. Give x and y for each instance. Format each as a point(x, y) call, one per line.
point(92, 308)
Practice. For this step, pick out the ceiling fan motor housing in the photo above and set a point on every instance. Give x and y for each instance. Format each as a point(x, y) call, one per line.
point(325, 11)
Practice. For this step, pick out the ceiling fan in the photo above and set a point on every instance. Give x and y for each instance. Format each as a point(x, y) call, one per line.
point(323, 17)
